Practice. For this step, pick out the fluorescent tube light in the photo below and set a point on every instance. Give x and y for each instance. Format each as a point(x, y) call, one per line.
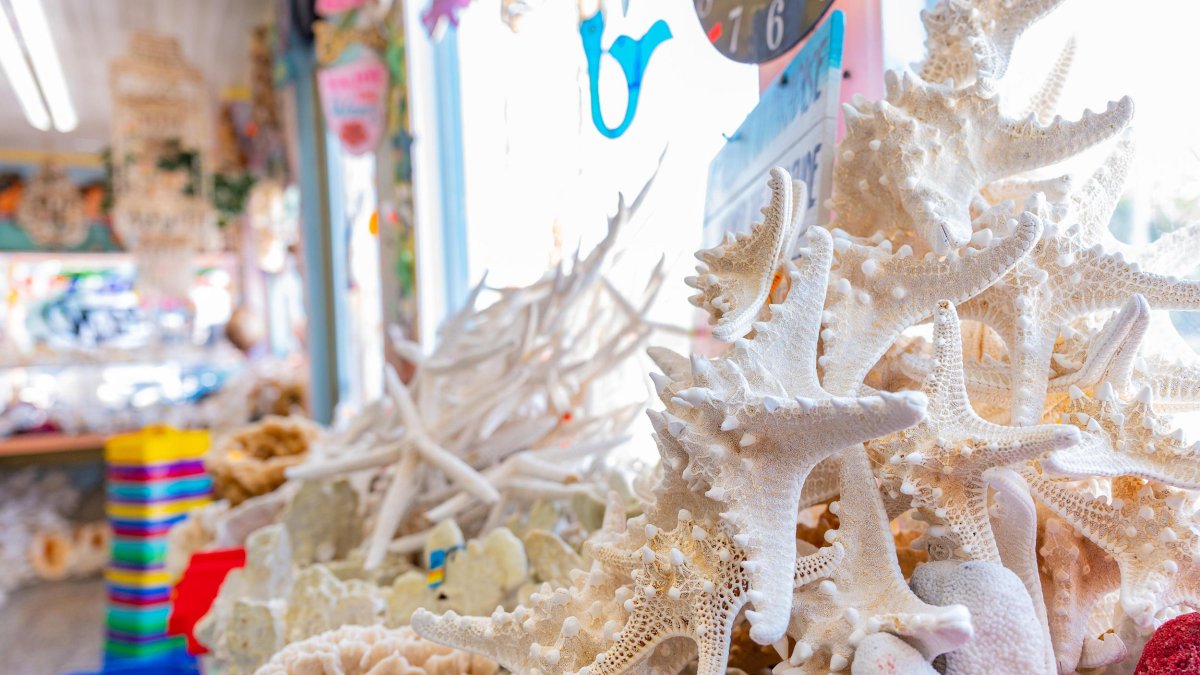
point(32, 21)
point(17, 72)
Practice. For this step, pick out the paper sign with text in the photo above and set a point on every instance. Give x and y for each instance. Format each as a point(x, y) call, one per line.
point(793, 126)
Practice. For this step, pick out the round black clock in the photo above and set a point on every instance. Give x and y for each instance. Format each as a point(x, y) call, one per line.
point(754, 31)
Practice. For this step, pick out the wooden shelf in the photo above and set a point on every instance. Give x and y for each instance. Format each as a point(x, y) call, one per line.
point(25, 445)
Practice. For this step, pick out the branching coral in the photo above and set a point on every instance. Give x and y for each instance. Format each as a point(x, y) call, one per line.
point(502, 411)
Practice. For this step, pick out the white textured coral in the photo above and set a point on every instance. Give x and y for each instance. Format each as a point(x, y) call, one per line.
point(373, 650)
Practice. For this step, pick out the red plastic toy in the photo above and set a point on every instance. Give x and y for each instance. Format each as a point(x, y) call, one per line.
point(197, 589)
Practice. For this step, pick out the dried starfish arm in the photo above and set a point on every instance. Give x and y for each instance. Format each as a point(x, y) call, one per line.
point(1044, 103)
point(1111, 353)
point(1025, 144)
point(879, 296)
point(456, 469)
point(1174, 252)
point(1174, 386)
point(1018, 190)
point(1124, 439)
point(396, 502)
point(735, 277)
point(1075, 576)
point(351, 462)
point(1155, 546)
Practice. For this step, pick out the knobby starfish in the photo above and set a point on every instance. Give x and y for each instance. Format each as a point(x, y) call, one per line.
point(1076, 575)
point(973, 42)
point(1066, 277)
point(877, 295)
point(1144, 528)
point(739, 439)
point(865, 592)
point(940, 463)
point(901, 170)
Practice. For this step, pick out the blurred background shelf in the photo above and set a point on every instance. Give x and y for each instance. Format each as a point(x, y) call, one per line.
point(27, 445)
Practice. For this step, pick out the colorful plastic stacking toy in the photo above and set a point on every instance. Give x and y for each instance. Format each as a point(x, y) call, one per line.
point(155, 478)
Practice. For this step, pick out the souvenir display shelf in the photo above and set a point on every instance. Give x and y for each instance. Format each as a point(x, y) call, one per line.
point(35, 367)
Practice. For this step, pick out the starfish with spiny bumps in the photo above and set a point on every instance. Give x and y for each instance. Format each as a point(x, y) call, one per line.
point(1083, 359)
point(865, 592)
point(878, 294)
point(902, 171)
point(739, 439)
point(688, 582)
point(941, 462)
point(1067, 276)
point(1144, 527)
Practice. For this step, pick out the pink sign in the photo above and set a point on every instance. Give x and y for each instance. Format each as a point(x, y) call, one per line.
point(354, 98)
point(328, 7)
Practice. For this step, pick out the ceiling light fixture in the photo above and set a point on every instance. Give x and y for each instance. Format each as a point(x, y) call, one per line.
point(17, 72)
point(31, 19)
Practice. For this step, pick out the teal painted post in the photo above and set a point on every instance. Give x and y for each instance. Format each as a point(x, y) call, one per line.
point(450, 170)
point(324, 253)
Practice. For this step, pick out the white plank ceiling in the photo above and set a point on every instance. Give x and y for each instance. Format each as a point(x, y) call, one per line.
point(214, 35)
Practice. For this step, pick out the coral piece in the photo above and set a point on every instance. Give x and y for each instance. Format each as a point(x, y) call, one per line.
point(322, 521)
point(373, 650)
point(476, 580)
point(1175, 648)
point(1001, 613)
point(886, 654)
point(551, 558)
point(252, 461)
point(504, 408)
point(939, 464)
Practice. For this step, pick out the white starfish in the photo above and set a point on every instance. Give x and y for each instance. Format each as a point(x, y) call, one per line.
point(1155, 543)
point(940, 463)
point(901, 170)
point(865, 593)
point(879, 294)
point(739, 438)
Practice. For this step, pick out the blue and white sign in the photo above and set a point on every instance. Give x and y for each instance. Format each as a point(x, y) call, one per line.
point(793, 126)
